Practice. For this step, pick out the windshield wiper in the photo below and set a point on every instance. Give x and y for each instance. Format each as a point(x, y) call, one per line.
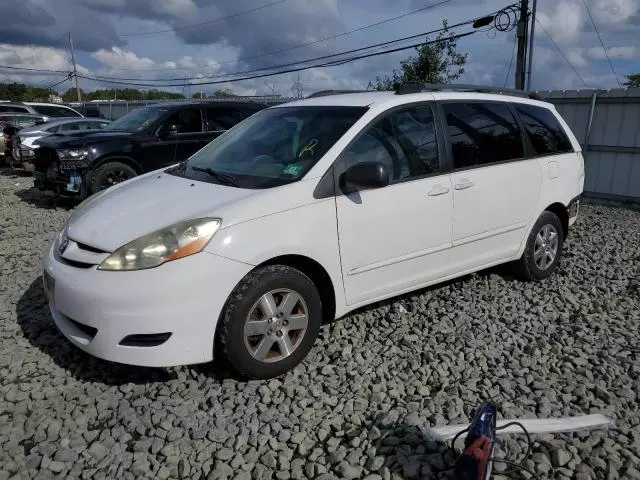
point(223, 178)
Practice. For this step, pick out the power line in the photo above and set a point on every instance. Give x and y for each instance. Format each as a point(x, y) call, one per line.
point(324, 39)
point(33, 69)
point(298, 69)
point(513, 52)
point(606, 54)
point(58, 83)
point(561, 52)
point(215, 20)
point(410, 37)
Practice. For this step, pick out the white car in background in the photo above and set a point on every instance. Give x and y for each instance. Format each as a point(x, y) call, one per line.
point(307, 211)
point(25, 142)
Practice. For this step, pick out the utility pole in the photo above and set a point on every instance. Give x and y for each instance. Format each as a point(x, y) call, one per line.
point(522, 43)
point(75, 69)
point(533, 31)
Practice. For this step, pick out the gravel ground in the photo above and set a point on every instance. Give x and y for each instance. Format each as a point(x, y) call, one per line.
point(355, 407)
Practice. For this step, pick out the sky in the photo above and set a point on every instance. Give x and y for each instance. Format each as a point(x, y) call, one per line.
point(173, 39)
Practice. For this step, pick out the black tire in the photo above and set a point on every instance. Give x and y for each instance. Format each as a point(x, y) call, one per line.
point(527, 267)
point(110, 173)
point(244, 299)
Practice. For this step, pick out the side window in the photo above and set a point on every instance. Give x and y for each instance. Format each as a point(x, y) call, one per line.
point(11, 108)
point(222, 118)
point(482, 133)
point(188, 120)
point(405, 141)
point(544, 130)
point(70, 127)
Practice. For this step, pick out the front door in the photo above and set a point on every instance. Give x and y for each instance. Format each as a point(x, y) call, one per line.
point(495, 188)
point(183, 136)
point(395, 238)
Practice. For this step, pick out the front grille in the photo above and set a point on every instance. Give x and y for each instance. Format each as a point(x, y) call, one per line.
point(74, 263)
point(44, 158)
point(86, 329)
point(89, 248)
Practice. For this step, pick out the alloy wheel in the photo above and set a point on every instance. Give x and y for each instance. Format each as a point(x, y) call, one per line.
point(276, 325)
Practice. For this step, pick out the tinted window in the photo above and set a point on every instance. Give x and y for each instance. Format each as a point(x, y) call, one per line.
point(188, 120)
point(223, 118)
point(11, 108)
point(482, 133)
point(71, 127)
point(138, 119)
point(54, 111)
point(405, 141)
point(545, 132)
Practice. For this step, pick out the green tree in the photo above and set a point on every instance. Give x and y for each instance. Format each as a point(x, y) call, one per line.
point(632, 80)
point(223, 93)
point(14, 92)
point(437, 62)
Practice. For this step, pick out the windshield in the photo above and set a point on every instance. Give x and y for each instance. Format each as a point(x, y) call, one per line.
point(272, 147)
point(138, 119)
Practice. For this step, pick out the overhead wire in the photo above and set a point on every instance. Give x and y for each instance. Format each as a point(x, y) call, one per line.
point(207, 22)
point(331, 37)
point(271, 67)
point(561, 52)
point(297, 69)
point(373, 46)
point(513, 52)
point(606, 54)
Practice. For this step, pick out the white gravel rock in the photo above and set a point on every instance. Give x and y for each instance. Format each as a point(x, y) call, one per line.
point(355, 407)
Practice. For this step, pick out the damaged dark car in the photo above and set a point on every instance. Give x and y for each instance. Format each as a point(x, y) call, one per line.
point(143, 140)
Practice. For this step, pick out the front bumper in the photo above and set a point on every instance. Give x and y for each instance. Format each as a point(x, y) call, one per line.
point(97, 310)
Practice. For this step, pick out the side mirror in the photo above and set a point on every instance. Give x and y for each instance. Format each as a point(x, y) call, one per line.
point(364, 176)
point(167, 131)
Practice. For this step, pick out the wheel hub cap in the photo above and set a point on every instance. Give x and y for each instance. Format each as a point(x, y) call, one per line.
point(546, 247)
point(276, 325)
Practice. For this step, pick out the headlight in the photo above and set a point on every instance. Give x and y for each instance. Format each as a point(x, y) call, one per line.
point(72, 154)
point(171, 243)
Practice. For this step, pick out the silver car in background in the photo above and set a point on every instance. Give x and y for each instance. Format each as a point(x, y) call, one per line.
point(26, 140)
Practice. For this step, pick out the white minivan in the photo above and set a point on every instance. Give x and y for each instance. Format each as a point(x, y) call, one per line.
point(307, 211)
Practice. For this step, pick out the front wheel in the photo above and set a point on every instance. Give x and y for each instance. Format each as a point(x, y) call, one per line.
point(109, 174)
point(270, 321)
point(544, 248)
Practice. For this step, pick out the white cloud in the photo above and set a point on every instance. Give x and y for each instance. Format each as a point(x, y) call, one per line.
point(121, 59)
point(614, 12)
point(576, 57)
point(564, 23)
point(36, 58)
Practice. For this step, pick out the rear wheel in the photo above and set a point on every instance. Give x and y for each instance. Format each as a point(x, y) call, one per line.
point(270, 321)
point(544, 248)
point(109, 174)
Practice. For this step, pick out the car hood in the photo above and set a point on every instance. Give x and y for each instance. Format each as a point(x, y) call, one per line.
point(82, 139)
point(145, 204)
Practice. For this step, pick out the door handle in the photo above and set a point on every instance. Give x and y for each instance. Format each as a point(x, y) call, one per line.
point(438, 190)
point(464, 184)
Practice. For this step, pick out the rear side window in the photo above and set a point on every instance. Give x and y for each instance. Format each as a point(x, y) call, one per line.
point(482, 133)
point(11, 108)
point(223, 118)
point(54, 111)
point(544, 130)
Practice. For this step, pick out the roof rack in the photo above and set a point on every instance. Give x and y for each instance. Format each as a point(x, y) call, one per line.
point(324, 93)
point(435, 87)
